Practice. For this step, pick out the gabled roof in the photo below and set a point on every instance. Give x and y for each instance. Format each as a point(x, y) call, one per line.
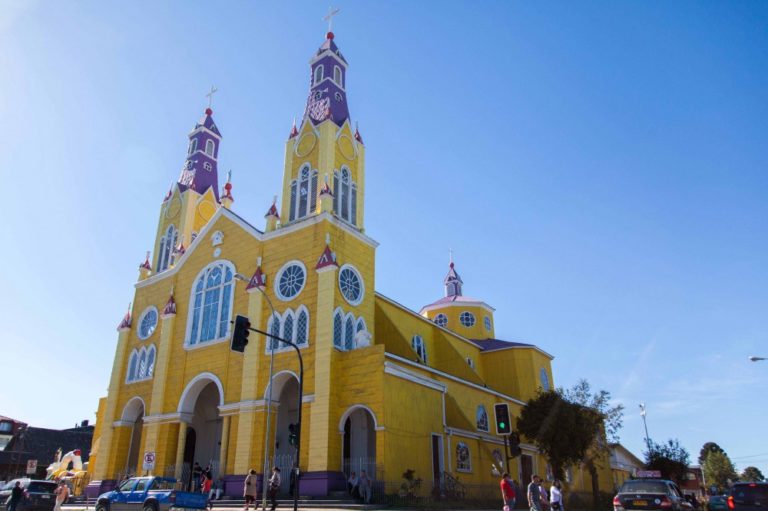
point(41, 443)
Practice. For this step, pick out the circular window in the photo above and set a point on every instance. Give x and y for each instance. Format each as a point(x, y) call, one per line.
point(290, 280)
point(487, 321)
point(147, 322)
point(467, 319)
point(350, 284)
point(441, 320)
point(544, 379)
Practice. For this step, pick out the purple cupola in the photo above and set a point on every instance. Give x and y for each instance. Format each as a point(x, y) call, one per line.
point(328, 77)
point(452, 282)
point(200, 168)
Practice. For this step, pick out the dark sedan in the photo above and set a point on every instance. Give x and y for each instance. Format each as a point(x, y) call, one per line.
point(38, 495)
point(748, 497)
point(650, 494)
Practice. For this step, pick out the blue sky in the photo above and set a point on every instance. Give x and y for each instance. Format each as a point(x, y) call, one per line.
point(599, 169)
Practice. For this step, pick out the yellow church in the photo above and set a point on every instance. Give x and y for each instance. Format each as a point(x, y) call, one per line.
point(386, 388)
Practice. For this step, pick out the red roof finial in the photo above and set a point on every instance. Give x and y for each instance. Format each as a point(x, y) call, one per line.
point(329, 35)
point(294, 130)
point(146, 264)
point(208, 111)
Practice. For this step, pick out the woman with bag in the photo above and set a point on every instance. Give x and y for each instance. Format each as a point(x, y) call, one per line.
point(556, 496)
point(507, 492)
point(249, 490)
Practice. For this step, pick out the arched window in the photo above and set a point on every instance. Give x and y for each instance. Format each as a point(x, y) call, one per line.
point(151, 362)
point(337, 331)
point(345, 196)
point(544, 377)
point(419, 347)
point(167, 244)
point(313, 193)
point(303, 193)
point(345, 184)
point(336, 191)
point(302, 326)
point(142, 365)
point(288, 326)
point(294, 193)
point(274, 329)
point(318, 74)
point(482, 418)
point(210, 303)
point(209, 147)
point(361, 325)
point(192, 145)
point(337, 76)
point(353, 205)
point(349, 333)
point(132, 367)
point(463, 459)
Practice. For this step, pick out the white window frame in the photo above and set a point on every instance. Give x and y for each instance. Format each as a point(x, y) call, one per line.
point(340, 198)
point(192, 146)
point(318, 74)
point(188, 345)
point(461, 320)
point(337, 73)
point(145, 355)
point(468, 468)
point(420, 347)
point(349, 267)
point(141, 321)
point(294, 315)
point(279, 275)
point(168, 241)
point(481, 410)
point(210, 143)
point(487, 323)
point(444, 320)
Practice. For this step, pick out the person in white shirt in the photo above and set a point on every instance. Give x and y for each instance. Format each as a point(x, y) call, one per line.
point(274, 486)
point(556, 496)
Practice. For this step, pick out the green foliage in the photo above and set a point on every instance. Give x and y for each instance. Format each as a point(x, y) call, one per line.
point(670, 458)
point(718, 470)
point(563, 431)
point(613, 416)
point(752, 475)
point(411, 485)
point(707, 448)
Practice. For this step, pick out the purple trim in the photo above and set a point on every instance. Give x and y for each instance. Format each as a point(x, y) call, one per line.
point(234, 485)
point(320, 484)
point(96, 488)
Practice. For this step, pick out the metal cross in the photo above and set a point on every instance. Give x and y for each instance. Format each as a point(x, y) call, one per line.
point(329, 17)
point(214, 90)
point(450, 252)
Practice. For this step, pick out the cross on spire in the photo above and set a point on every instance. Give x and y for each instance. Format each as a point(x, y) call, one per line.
point(329, 17)
point(214, 90)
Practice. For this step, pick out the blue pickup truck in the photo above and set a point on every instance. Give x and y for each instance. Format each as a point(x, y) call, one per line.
point(149, 494)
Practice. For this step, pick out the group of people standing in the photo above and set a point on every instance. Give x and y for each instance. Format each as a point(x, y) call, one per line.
point(536, 494)
point(359, 488)
point(202, 481)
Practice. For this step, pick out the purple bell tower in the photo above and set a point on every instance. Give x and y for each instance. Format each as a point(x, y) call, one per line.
point(327, 92)
point(200, 168)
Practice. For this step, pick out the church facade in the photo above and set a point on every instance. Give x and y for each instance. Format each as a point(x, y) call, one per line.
point(386, 388)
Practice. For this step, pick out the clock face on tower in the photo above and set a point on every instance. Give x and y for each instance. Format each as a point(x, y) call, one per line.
point(319, 105)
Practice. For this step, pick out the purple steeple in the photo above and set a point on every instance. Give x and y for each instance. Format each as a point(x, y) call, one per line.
point(328, 77)
point(200, 168)
point(452, 282)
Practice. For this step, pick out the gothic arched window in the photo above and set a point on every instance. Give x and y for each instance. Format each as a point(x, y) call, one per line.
point(349, 333)
point(303, 194)
point(150, 362)
point(167, 244)
point(302, 326)
point(211, 303)
point(318, 74)
point(463, 459)
point(338, 341)
point(482, 418)
point(419, 347)
point(132, 367)
point(345, 196)
point(192, 145)
point(337, 76)
point(142, 373)
point(209, 147)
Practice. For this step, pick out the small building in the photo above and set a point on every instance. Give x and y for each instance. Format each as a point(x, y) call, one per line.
point(624, 464)
point(693, 483)
point(8, 428)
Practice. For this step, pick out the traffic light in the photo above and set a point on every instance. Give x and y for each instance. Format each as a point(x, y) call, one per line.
point(240, 335)
point(503, 427)
point(514, 445)
point(293, 434)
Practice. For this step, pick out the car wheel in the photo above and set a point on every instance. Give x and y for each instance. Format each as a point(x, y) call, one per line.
point(150, 507)
point(102, 506)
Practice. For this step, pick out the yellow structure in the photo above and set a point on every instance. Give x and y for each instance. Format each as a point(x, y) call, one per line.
point(386, 389)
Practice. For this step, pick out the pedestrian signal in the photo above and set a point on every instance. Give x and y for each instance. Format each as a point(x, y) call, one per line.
point(503, 426)
point(240, 334)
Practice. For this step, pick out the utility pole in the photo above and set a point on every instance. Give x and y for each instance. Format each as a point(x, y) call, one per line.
point(645, 424)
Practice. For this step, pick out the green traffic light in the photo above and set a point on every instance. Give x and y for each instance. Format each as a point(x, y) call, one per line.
point(502, 425)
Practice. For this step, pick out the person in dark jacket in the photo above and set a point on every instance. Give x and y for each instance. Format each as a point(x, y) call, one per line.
point(17, 493)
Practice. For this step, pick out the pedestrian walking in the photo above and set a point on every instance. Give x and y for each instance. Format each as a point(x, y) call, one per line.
point(352, 483)
point(274, 486)
point(62, 494)
point(364, 487)
point(556, 496)
point(507, 492)
point(194, 482)
point(206, 486)
point(250, 489)
point(17, 493)
point(535, 500)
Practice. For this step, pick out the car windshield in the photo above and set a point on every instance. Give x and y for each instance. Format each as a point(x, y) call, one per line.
point(162, 484)
point(127, 485)
point(643, 487)
point(748, 494)
point(41, 487)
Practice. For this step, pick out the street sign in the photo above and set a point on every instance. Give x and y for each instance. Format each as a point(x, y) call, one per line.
point(648, 474)
point(31, 466)
point(149, 461)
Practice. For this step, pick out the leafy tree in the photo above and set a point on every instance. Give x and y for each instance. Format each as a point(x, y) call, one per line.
point(718, 470)
point(563, 431)
point(752, 475)
point(670, 458)
point(708, 448)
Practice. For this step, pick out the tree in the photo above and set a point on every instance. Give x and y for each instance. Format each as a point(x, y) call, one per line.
point(718, 470)
point(670, 458)
point(709, 447)
point(563, 431)
point(752, 475)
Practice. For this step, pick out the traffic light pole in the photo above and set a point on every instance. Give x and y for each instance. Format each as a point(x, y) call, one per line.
point(295, 469)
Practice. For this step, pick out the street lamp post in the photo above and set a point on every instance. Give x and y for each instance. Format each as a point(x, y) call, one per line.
point(645, 424)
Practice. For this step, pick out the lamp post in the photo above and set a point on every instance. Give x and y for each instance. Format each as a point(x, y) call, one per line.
point(645, 424)
point(755, 359)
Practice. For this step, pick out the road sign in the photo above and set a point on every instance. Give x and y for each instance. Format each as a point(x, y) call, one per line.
point(31, 466)
point(149, 461)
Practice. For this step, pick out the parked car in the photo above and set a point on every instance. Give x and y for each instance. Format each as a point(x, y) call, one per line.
point(748, 497)
point(647, 494)
point(149, 494)
point(717, 503)
point(38, 495)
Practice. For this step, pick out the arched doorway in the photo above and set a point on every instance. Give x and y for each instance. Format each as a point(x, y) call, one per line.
point(201, 400)
point(359, 445)
point(285, 395)
point(133, 414)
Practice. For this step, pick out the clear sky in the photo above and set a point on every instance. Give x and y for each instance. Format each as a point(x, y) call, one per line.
point(599, 169)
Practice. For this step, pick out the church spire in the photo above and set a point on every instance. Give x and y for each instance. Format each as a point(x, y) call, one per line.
point(327, 92)
point(200, 170)
point(452, 281)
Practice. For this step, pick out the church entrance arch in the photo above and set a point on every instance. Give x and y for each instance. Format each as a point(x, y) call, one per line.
point(285, 395)
point(200, 401)
point(133, 415)
point(358, 425)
